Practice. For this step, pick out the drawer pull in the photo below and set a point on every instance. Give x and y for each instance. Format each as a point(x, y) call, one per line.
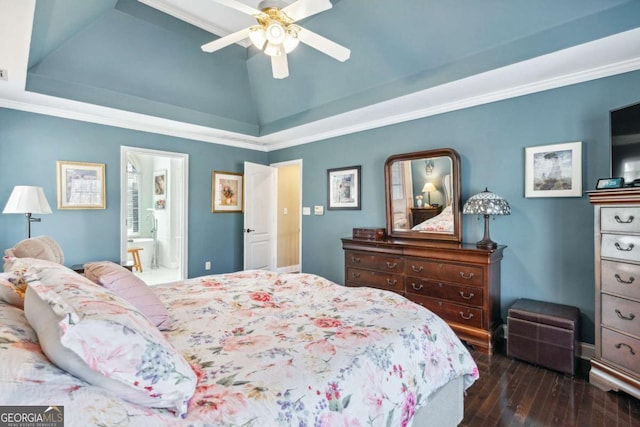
point(621, 221)
point(355, 275)
point(416, 287)
point(623, 317)
point(465, 296)
point(620, 344)
point(620, 280)
point(392, 264)
point(355, 260)
point(469, 317)
point(466, 276)
point(627, 249)
point(416, 269)
point(391, 282)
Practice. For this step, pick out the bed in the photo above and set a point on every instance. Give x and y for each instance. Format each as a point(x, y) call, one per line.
point(443, 222)
point(259, 349)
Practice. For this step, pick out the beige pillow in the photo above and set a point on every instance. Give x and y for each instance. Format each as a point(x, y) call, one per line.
point(41, 247)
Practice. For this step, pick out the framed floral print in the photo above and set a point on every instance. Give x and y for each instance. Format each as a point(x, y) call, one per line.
point(227, 192)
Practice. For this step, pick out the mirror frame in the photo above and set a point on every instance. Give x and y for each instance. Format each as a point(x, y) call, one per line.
point(456, 207)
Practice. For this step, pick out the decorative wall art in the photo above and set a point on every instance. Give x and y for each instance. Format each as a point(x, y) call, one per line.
point(81, 185)
point(227, 192)
point(554, 170)
point(343, 190)
point(160, 189)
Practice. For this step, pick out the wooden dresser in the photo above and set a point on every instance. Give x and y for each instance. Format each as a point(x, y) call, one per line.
point(458, 282)
point(616, 365)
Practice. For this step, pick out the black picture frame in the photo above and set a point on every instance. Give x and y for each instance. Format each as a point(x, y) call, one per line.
point(343, 188)
point(608, 183)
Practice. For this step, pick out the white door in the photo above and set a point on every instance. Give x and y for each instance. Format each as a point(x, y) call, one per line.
point(259, 216)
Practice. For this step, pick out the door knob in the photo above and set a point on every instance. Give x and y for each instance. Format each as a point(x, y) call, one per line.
point(249, 230)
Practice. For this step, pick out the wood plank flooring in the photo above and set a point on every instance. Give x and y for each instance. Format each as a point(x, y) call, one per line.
point(514, 393)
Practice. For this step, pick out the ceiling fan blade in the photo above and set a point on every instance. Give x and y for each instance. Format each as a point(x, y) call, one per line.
point(226, 40)
point(305, 8)
point(324, 45)
point(234, 4)
point(280, 66)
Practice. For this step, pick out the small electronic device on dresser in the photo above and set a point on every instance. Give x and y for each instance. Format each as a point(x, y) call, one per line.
point(458, 282)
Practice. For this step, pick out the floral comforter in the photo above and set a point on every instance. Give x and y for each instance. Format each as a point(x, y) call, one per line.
point(268, 350)
point(442, 223)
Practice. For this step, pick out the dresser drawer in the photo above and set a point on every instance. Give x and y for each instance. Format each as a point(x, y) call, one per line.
point(620, 247)
point(621, 350)
point(374, 262)
point(620, 313)
point(456, 293)
point(620, 219)
point(445, 271)
point(621, 278)
point(451, 312)
point(375, 279)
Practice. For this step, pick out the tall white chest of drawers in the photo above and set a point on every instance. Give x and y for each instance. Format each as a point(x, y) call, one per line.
point(616, 365)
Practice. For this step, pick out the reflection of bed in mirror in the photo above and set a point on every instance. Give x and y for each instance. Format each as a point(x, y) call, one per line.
point(443, 222)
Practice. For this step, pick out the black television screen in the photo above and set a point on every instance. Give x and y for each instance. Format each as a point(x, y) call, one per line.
point(625, 143)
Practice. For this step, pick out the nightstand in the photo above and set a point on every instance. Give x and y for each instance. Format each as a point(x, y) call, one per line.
point(419, 215)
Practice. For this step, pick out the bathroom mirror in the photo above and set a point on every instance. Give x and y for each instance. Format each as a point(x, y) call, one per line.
point(423, 195)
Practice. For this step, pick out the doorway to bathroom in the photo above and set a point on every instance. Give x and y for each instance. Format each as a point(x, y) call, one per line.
point(153, 214)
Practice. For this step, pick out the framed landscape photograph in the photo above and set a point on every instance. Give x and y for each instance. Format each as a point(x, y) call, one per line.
point(81, 185)
point(554, 170)
point(343, 188)
point(227, 192)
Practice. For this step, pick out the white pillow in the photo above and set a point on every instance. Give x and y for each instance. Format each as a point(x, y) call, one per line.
point(95, 335)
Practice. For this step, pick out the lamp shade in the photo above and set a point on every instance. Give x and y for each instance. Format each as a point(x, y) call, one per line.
point(27, 199)
point(486, 203)
point(428, 187)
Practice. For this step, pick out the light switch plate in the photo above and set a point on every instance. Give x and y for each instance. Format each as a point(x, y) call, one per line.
point(318, 210)
point(306, 210)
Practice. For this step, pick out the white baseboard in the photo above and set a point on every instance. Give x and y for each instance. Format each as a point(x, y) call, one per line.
point(289, 269)
point(584, 351)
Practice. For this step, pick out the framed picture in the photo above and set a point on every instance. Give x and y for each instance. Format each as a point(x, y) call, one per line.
point(226, 192)
point(343, 188)
point(160, 189)
point(81, 185)
point(553, 170)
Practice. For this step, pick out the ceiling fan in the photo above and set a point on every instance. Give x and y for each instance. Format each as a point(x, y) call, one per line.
point(277, 33)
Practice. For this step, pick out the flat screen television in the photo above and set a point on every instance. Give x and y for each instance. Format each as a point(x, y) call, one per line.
point(625, 144)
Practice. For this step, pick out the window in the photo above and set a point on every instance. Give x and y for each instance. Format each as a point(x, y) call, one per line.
point(133, 200)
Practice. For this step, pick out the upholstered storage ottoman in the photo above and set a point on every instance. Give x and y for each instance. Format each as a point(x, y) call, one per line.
point(544, 334)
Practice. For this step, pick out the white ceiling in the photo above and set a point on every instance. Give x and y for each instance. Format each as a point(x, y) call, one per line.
point(600, 58)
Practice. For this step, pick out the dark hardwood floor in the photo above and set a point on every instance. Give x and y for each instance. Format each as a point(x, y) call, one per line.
point(514, 393)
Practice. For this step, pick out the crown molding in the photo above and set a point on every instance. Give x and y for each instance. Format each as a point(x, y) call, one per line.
point(606, 57)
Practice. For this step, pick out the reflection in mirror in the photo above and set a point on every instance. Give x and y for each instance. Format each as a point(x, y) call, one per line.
point(423, 195)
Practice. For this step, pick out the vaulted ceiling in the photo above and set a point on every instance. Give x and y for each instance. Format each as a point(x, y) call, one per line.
point(138, 64)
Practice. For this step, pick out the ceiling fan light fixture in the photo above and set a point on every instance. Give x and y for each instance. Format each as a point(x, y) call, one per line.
point(258, 36)
point(273, 49)
point(275, 32)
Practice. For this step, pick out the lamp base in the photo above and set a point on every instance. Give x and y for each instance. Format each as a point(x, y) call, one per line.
point(486, 242)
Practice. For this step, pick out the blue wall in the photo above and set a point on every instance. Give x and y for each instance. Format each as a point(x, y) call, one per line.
point(550, 240)
point(30, 145)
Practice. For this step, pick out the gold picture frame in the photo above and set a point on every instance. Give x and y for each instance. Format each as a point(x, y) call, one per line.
point(81, 185)
point(227, 193)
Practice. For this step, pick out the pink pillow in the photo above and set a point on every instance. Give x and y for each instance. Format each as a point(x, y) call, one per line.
point(124, 283)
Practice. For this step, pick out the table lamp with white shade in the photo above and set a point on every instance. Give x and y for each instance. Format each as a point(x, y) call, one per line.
point(27, 200)
point(428, 188)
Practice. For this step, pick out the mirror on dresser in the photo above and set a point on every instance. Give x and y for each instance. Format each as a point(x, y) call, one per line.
point(423, 195)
